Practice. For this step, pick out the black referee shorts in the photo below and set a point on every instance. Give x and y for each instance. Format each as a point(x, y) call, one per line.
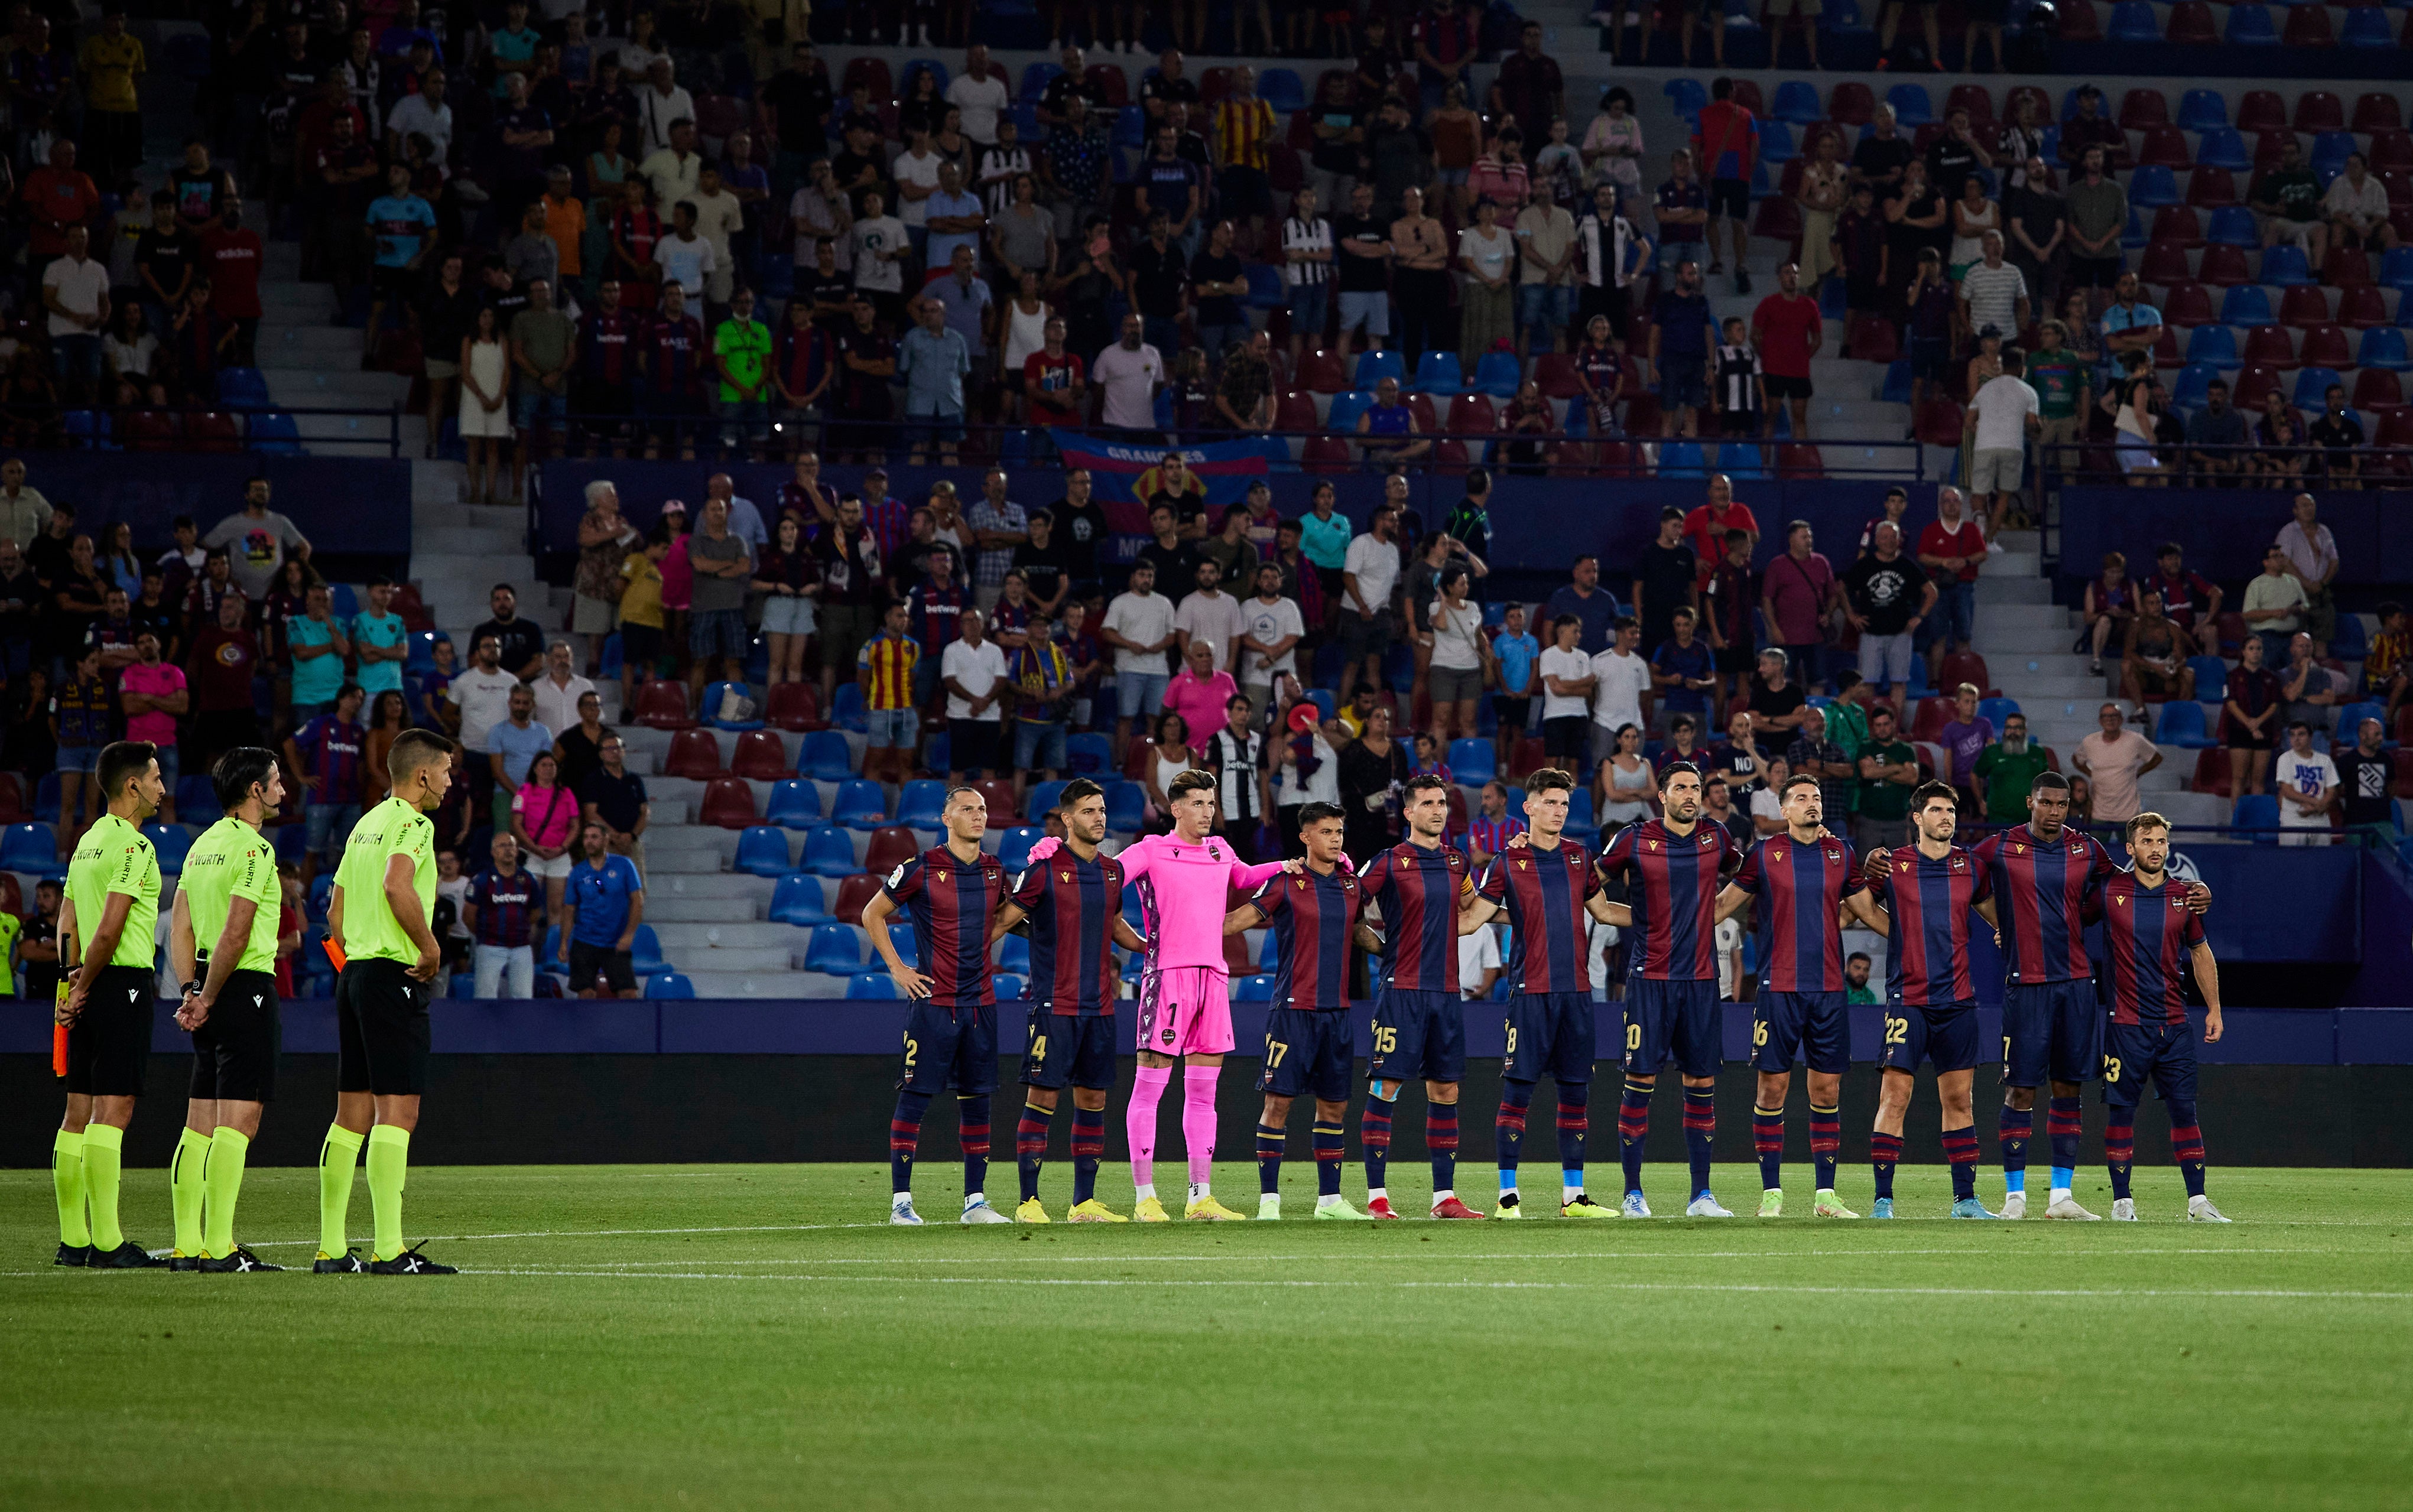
point(108, 1046)
point(236, 1049)
point(381, 1030)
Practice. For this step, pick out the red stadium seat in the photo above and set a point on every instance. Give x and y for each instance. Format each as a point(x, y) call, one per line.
point(1301, 135)
point(2392, 149)
point(1323, 372)
point(2166, 146)
point(1874, 339)
point(1556, 374)
point(1965, 667)
point(1109, 78)
point(760, 755)
point(1642, 415)
point(2178, 223)
point(2376, 113)
point(1799, 460)
point(694, 753)
point(1295, 412)
point(892, 846)
point(2187, 305)
point(1778, 218)
point(1325, 453)
point(2191, 26)
point(2209, 188)
point(2252, 382)
point(1973, 98)
point(1004, 809)
point(2166, 347)
point(2261, 109)
point(2405, 724)
point(2044, 107)
point(1472, 414)
point(2080, 23)
point(1420, 410)
point(2400, 784)
point(1938, 422)
point(2316, 109)
point(2325, 346)
point(212, 430)
point(1928, 719)
point(1528, 757)
point(2304, 304)
point(2360, 306)
point(2377, 388)
point(662, 706)
point(794, 706)
point(1214, 86)
point(2222, 267)
point(1449, 453)
point(728, 802)
point(2141, 109)
point(852, 892)
point(12, 811)
point(150, 430)
point(2165, 262)
point(2346, 267)
point(870, 72)
point(2309, 26)
point(2268, 146)
point(2230, 629)
point(1852, 104)
point(2269, 346)
point(1747, 95)
point(2212, 772)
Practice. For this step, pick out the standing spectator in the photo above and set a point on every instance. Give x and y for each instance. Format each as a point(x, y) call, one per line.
point(1545, 255)
point(258, 539)
point(606, 900)
point(2249, 717)
point(1888, 596)
point(152, 694)
point(1813, 752)
point(1621, 691)
point(2275, 605)
point(1242, 132)
point(1965, 737)
point(2306, 781)
point(999, 525)
point(25, 511)
point(1130, 372)
point(504, 916)
point(1734, 590)
point(2037, 227)
point(325, 753)
point(1528, 85)
point(2113, 761)
point(1368, 578)
point(1776, 699)
point(1139, 627)
point(2312, 691)
point(315, 642)
point(1218, 283)
point(1244, 394)
point(518, 643)
point(1420, 277)
point(1487, 255)
point(1042, 681)
point(232, 255)
point(1271, 627)
point(379, 641)
point(2005, 770)
point(1610, 255)
point(1888, 769)
point(1683, 334)
point(1681, 206)
point(544, 821)
point(1685, 669)
point(615, 798)
point(1799, 591)
point(1727, 140)
point(513, 744)
point(1208, 614)
point(1789, 333)
point(57, 198)
point(2098, 215)
point(479, 699)
point(1952, 548)
point(2365, 772)
point(1363, 250)
point(724, 564)
point(1308, 257)
point(2387, 662)
point(224, 659)
point(2310, 555)
point(75, 292)
point(559, 689)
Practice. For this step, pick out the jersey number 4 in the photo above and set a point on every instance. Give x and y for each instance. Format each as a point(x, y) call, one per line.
point(1038, 1049)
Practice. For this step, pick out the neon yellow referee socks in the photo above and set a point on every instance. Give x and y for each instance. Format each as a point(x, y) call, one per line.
point(228, 1149)
point(104, 1154)
point(389, 1158)
point(67, 1185)
point(336, 1156)
point(187, 1179)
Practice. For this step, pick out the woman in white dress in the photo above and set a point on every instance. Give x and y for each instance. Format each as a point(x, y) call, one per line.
point(486, 406)
point(1624, 785)
point(1025, 332)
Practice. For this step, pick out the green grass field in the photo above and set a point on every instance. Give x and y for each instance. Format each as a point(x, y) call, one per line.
point(755, 1337)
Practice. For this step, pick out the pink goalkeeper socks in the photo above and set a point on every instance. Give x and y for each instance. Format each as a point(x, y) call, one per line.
point(1139, 1120)
point(1198, 1120)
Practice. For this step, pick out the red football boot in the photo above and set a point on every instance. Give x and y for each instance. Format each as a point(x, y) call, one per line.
point(1452, 1207)
point(1381, 1207)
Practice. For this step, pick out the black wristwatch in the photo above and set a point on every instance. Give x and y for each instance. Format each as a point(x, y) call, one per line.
point(191, 988)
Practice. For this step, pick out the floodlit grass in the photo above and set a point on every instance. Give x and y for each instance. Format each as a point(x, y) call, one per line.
point(755, 1335)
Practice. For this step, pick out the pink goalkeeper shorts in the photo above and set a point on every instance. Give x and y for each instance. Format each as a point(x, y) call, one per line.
point(1186, 1010)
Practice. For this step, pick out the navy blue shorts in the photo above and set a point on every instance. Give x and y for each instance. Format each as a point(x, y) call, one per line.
point(2135, 1053)
point(1672, 1021)
point(1550, 1034)
point(2051, 1029)
point(1418, 1035)
point(1307, 1052)
point(1946, 1037)
point(949, 1047)
point(1067, 1050)
point(1812, 1023)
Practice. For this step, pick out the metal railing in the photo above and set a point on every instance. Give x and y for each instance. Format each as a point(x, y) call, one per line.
point(105, 430)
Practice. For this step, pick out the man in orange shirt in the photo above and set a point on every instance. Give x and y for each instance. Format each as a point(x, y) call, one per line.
point(884, 667)
point(565, 219)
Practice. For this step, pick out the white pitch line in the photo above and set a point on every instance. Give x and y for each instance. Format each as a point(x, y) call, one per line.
point(1441, 1256)
point(592, 1233)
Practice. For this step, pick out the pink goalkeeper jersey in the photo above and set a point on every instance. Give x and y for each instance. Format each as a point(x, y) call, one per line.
point(1184, 886)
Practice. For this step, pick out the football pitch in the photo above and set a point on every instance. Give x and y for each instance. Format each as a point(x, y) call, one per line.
point(756, 1336)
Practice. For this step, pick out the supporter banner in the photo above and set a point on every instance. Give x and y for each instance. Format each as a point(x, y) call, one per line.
point(347, 506)
point(1125, 476)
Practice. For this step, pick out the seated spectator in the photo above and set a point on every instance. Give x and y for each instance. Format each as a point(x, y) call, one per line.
point(2153, 655)
point(2336, 436)
point(2389, 659)
point(2004, 771)
point(2108, 607)
point(2287, 199)
point(2279, 439)
point(2219, 427)
point(1387, 431)
point(1965, 737)
point(2357, 208)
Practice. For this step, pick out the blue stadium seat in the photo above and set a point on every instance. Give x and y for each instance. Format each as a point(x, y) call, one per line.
point(834, 950)
point(2256, 811)
point(2382, 347)
point(2203, 110)
point(826, 756)
point(919, 804)
point(1281, 89)
point(872, 987)
point(2211, 677)
point(2182, 725)
point(1472, 761)
point(2133, 21)
point(2214, 345)
point(1268, 951)
point(2251, 26)
point(1323, 700)
point(421, 655)
point(1131, 131)
point(1685, 96)
point(935, 755)
point(322, 893)
point(1035, 80)
point(860, 804)
point(30, 847)
point(2134, 236)
point(1995, 710)
point(1374, 367)
point(1740, 460)
point(549, 952)
point(2350, 716)
point(288, 839)
point(274, 431)
point(2366, 27)
point(2285, 266)
point(1013, 846)
point(1776, 142)
point(1257, 988)
point(1911, 106)
point(1042, 797)
point(797, 899)
point(795, 804)
point(1683, 459)
point(2396, 271)
point(708, 711)
point(87, 430)
point(1014, 954)
point(2311, 384)
point(2153, 186)
point(1126, 805)
point(242, 388)
point(1796, 102)
point(197, 801)
point(900, 939)
point(1341, 419)
point(829, 851)
point(2331, 149)
point(2347, 642)
point(761, 851)
point(170, 843)
point(1498, 374)
point(1896, 389)
point(46, 798)
point(2223, 148)
point(1009, 987)
point(668, 985)
point(645, 952)
point(1437, 372)
point(2246, 305)
point(1086, 755)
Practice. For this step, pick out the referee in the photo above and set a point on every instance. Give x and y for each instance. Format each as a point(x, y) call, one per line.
point(222, 943)
point(385, 890)
point(112, 911)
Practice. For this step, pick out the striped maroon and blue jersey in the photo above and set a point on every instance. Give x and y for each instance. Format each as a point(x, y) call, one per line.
point(1314, 914)
point(2042, 890)
point(1419, 892)
point(1544, 893)
point(1673, 881)
point(1800, 890)
point(1072, 905)
point(952, 902)
point(504, 905)
point(331, 751)
point(2147, 935)
point(672, 349)
point(608, 343)
point(1928, 900)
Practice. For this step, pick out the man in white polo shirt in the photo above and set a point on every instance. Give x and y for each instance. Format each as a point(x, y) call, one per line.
point(1621, 683)
point(75, 289)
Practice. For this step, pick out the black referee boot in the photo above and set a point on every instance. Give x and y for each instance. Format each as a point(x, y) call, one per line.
point(241, 1260)
point(126, 1256)
point(73, 1255)
point(183, 1261)
point(346, 1264)
point(410, 1263)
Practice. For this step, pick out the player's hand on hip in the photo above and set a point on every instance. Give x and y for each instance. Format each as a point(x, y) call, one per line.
point(424, 967)
point(912, 983)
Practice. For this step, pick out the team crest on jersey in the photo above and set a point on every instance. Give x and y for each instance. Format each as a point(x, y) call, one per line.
point(1834, 854)
point(1959, 862)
